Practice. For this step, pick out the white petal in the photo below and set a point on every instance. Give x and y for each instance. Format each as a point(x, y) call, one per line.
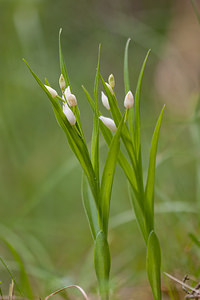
point(129, 100)
point(69, 114)
point(71, 100)
point(67, 92)
point(51, 91)
point(108, 123)
point(105, 101)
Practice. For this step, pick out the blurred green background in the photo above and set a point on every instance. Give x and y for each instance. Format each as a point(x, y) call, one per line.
point(41, 214)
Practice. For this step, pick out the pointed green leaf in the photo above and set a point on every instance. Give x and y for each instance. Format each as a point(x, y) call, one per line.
point(108, 176)
point(75, 140)
point(153, 265)
point(149, 190)
point(137, 107)
point(127, 88)
point(95, 133)
point(62, 62)
point(126, 72)
point(90, 207)
point(102, 264)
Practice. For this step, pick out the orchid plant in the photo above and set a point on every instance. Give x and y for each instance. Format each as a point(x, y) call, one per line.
point(96, 189)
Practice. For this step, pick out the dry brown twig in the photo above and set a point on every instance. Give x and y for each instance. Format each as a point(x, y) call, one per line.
point(69, 286)
point(194, 293)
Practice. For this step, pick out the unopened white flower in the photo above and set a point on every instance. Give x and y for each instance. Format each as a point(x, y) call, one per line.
point(69, 114)
point(67, 92)
point(105, 101)
point(51, 91)
point(129, 100)
point(62, 82)
point(110, 88)
point(111, 80)
point(71, 100)
point(108, 123)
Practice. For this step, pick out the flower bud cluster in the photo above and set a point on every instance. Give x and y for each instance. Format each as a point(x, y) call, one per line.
point(128, 103)
point(69, 99)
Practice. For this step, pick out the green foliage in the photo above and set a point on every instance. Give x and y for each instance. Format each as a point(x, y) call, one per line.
point(96, 193)
point(153, 264)
point(102, 263)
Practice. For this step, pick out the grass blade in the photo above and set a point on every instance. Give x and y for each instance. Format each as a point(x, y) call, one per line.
point(149, 190)
point(90, 207)
point(11, 276)
point(24, 276)
point(126, 72)
point(102, 264)
point(108, 176)
point(194, 239)
point(153, 265)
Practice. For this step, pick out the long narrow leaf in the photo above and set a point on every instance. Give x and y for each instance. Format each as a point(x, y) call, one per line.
point(75, 141)
point(108, 176)
point(102, 264)
point(153, 265)
point(137, 107)
point(126, 72)
point(95, 133)
point(90, 207)
point(149, 190)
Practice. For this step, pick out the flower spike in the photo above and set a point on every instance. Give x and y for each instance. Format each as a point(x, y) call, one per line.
point(108, 123)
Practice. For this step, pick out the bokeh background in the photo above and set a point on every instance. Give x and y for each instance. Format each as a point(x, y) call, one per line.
point(43, 230)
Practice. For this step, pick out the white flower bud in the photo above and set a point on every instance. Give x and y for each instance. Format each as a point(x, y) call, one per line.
point(51, 91)
point(108, 123)
point(105, 101)
point(71, 100)
point(67, 92)
point(129, 100)
point(111, 80)
point(110, 89)
point(62, 83)
point(69, 114)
